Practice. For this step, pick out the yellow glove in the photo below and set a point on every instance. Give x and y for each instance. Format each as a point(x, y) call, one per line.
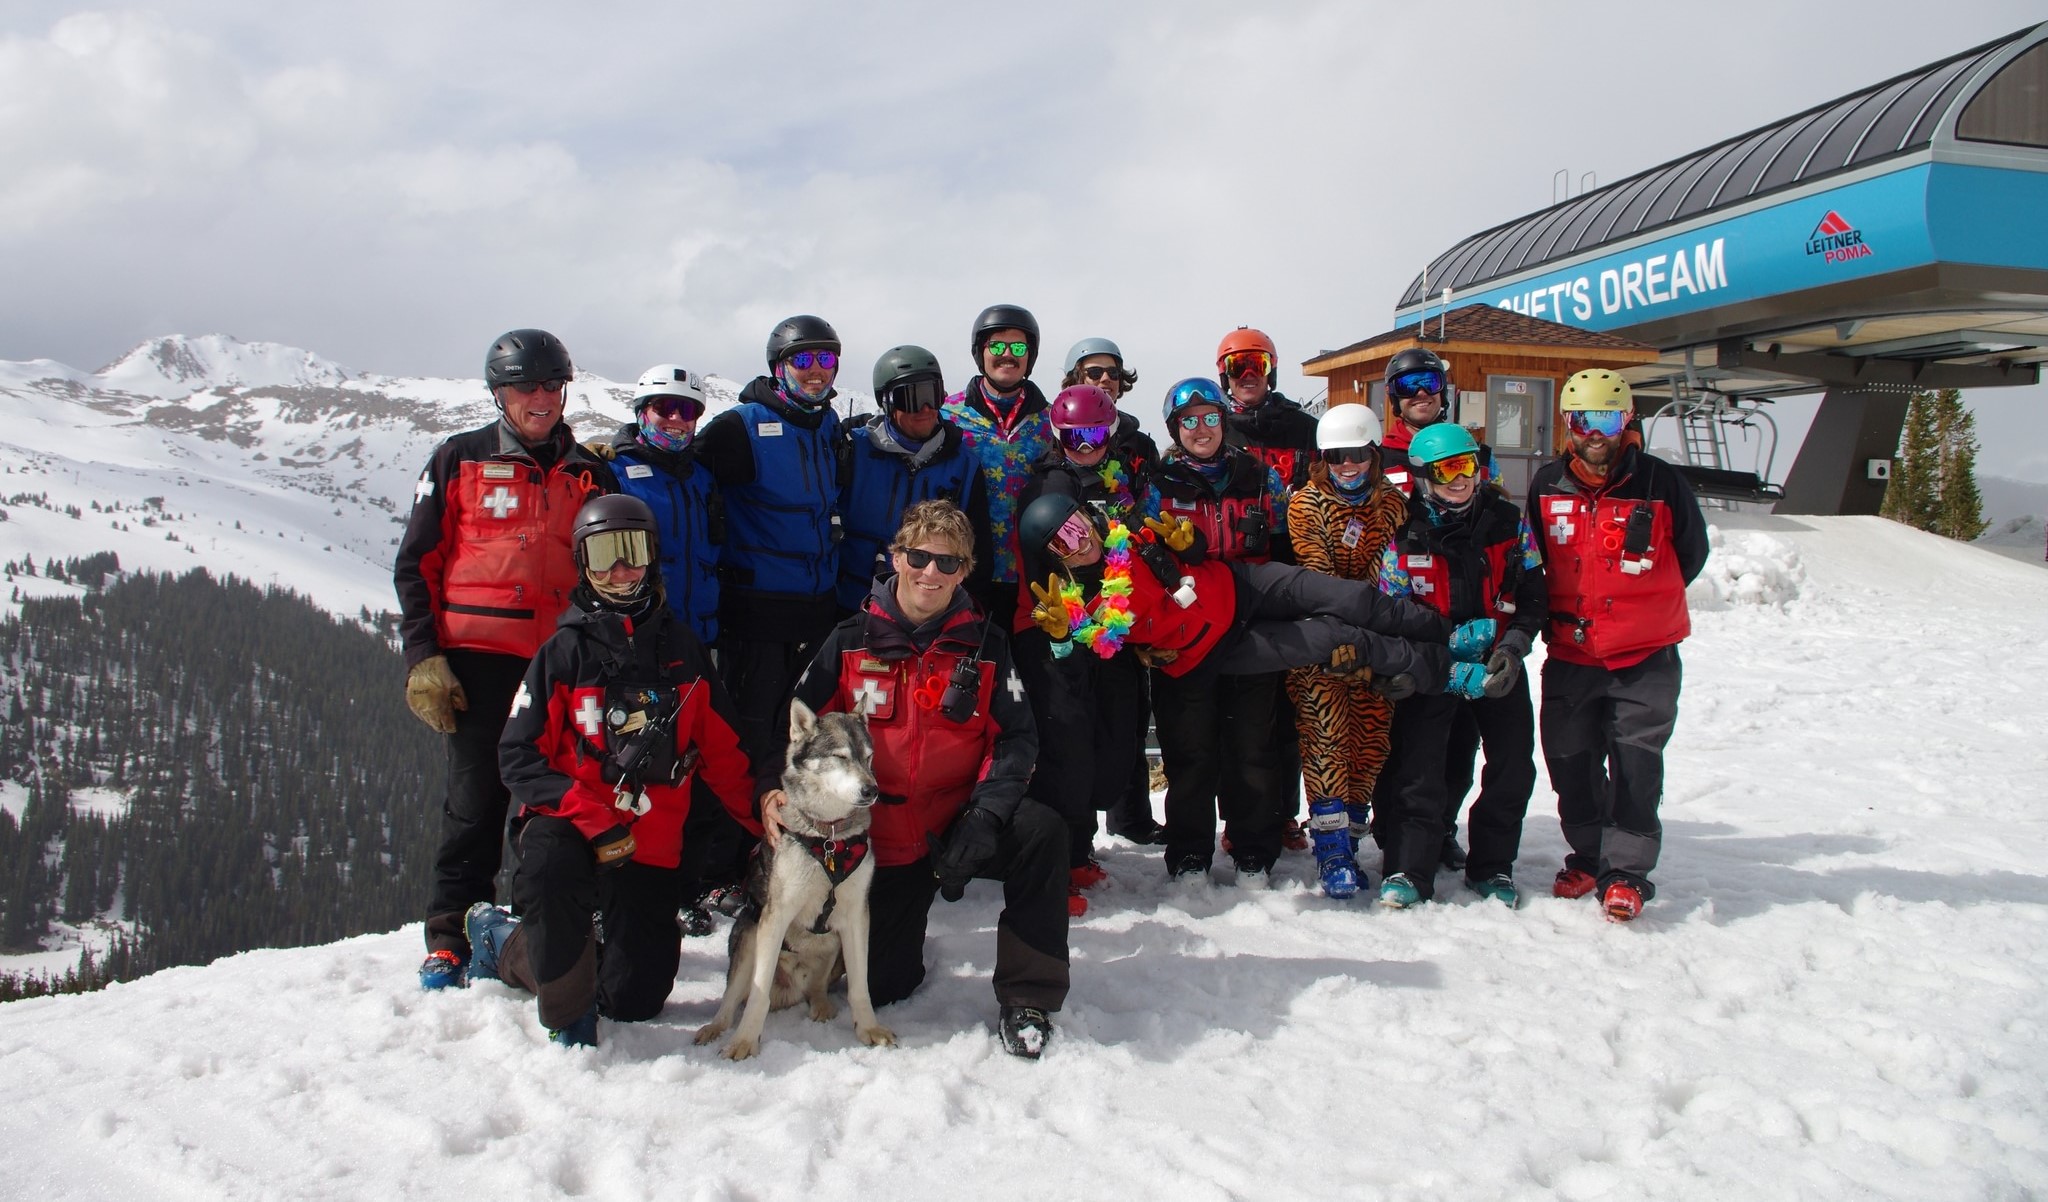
point(1050, 613)
point(434, 694)
point(603, 450)
point(1178, 534)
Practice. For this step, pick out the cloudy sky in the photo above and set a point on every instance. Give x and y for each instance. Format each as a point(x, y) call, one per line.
point(392, 184)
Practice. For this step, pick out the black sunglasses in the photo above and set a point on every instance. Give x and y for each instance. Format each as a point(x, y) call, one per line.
point(919, 559)
point(1341, 455)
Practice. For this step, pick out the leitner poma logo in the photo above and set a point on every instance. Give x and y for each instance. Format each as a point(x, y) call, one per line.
point(1837, 239)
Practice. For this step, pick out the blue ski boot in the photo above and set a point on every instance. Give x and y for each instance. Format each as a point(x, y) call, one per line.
point(580, 1034)
point(1397, 892)
point(1360, 814)
point(1330, 827)
point(488, 928)
point(442, 969)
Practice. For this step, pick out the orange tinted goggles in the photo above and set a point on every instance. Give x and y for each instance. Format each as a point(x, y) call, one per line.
point(1456, 467)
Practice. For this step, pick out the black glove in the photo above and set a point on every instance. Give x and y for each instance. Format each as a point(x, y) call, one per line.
point(1504, 666)
point(966, 850)
point(613, 847)
point(1399, 687)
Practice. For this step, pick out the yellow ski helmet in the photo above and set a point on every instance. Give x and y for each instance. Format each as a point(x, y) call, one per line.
point(1596, 388)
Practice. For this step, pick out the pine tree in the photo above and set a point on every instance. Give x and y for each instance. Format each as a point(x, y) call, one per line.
point(1911, 496)
point(1960, 514)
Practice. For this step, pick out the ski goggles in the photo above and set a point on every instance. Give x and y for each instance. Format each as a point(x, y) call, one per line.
point(1411, 384)
point(1453, 467)
point(919, 559)
point(806, 360)
point(1191, 421)
point(529, 387)
point(1072, 536)
point(607, 549)
point(1238, 364)
point(675, 408)
point(1085, 438)
point(915, 396)
point(1607, 423)
point(1343, 455)
point(1007, 350)
point(1097, 373)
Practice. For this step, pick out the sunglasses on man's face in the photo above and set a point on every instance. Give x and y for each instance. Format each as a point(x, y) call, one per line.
point(1007, 350)
point(805, 360)
point(1606, 423)
point(1344, 455)
point(1191, 421)
point(1411, 384)
point(529, 387)
point(676, 408)
point(1098, 373)
point(919, 559)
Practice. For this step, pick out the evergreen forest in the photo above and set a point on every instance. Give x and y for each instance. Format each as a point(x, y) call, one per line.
point(279, 792)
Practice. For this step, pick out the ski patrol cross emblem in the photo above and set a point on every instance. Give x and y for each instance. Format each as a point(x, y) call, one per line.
point(589, 716)
point(424, 489)
point(501, 501)
point(1015, 686)
point(870, 697)
point(522, 698)
point(1561, 527)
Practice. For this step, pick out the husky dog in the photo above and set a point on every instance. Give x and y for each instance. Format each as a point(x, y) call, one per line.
point(811, 889)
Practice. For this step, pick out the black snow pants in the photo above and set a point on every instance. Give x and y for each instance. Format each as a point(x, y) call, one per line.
point(473, 814)
point(1090, 714)
point(1031, 932)
point(1603, 741)
point(1216, 739)
point(565, 900)
point(1413, 786)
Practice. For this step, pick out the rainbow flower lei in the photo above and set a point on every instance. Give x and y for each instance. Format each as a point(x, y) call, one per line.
point(1104, 631)
point(1117, 483)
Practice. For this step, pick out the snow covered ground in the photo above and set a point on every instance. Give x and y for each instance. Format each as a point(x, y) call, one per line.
point(1836, 994)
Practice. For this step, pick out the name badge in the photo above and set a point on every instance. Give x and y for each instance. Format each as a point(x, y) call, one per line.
point(638, 471)
point(770, 429)
point(1354, 531)
point(1562, 504)
point(501, 471)
point(1422, 562)
point(1177, 503)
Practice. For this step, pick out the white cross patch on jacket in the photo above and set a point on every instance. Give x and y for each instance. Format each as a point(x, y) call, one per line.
point(589, 716)
point(870, 697)
point(502, 501)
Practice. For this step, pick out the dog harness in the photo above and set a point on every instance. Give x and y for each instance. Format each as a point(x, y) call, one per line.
point(839, 858)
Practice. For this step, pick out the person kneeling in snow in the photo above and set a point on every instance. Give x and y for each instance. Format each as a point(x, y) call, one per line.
point(618, 713)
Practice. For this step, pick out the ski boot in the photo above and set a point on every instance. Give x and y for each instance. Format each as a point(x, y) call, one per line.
point(694, 921)
point(1623, 901)
point(1254, 874)
point(1500, 887)
point(580, 1034)
point(1397, 892)
point(1335, 864)
point(488, 927)
point(442, 969)
point(1571, 882)
point(1360, 814)
point(1452, 857)
point(1024, 1031)
point(1292, 837)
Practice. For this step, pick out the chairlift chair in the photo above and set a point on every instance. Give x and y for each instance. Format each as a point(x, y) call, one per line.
point(1705, 419)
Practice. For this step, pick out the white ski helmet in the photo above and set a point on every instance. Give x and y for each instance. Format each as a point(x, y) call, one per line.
point(668, 379)
point(1348, 425)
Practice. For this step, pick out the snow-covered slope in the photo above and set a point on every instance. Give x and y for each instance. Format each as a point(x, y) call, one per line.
point(266, 461)
point(1837, 993)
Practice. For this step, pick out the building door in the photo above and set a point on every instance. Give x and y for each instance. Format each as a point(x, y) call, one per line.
point(1518, 427)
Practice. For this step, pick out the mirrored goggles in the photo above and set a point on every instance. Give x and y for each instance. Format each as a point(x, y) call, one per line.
point(915, 396)
point(1239, 364)
point(529, 387)
point(1211, 419)
point(1085, 438)
point(919, 559)
point(805, 360)
point(1411, 384)
point(1071, 537)
point(1342, 455)
point(675, 408)
point(608, 548)
point(1453, 467)
point(1607, 423)
point(1007, 350)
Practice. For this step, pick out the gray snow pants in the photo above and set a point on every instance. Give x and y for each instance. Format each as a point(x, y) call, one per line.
point(1603, 742)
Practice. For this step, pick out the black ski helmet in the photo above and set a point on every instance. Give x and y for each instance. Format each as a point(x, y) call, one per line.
point(900, 363)
point(800, 333)
point(1415, 358)
point(1005, 317)
point(520, 356)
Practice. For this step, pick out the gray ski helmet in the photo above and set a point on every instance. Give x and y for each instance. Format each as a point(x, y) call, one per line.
point(1091, 346)
point(800, 333)
point(1005, 317)
point(900, 363)
point(521, 356)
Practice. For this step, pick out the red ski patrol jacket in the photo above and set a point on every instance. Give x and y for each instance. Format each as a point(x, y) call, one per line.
point(599, 693)
point(1617, 556)
point(1242, 517)
point(485, 562)
point(928, 766)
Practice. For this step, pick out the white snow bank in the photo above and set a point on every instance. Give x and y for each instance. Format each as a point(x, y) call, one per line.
point(1746, 568)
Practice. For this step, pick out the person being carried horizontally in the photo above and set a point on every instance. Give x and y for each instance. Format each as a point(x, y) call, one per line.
point(954, 747)
point(619, 715)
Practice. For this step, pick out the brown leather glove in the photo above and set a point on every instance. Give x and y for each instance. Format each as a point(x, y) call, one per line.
point(603, 450)
point(1344, 665)
point(434, 694)
point(1050, 613)
point(1156, 657)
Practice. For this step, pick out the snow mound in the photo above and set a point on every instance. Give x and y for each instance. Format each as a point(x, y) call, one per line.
point(1745, 567)
point(175, 365)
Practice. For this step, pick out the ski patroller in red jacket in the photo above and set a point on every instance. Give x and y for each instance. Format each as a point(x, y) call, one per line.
point(1612, 606)
point(927, 766)
point(485, 563)
point(1481, 563)
point(603, 678)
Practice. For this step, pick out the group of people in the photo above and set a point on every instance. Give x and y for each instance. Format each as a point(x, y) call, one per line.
point(1012, 589)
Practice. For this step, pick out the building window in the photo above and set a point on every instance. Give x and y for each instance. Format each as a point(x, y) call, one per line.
point(2013, 107)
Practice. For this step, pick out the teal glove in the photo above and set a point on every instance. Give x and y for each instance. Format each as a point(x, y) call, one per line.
point(1472, 640)
point(1467, 681)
